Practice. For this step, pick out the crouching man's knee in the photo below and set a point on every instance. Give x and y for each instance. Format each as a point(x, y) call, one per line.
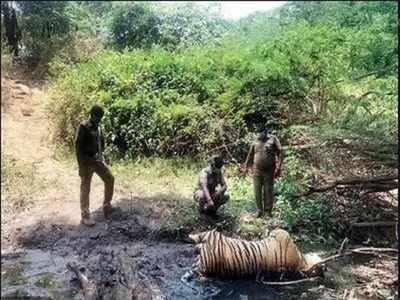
point(226, 196)
point(223, 197)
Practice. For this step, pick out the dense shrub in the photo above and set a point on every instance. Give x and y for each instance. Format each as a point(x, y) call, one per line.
point(156, 103)
point(198, 99)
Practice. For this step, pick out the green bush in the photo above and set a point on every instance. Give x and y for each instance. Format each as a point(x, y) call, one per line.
point(311, 219)
point(157, 102)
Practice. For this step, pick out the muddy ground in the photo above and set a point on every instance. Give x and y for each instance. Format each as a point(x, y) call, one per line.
point(34, 263)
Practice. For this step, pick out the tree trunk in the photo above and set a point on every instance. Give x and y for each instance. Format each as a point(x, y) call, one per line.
point(10, 23)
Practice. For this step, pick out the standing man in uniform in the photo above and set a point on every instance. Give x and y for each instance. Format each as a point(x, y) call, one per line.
point(89, 146)
point(211, 191)
point(265, 159)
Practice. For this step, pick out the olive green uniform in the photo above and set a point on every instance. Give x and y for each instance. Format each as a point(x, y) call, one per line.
point(262, 156)
point(216, 186)
point(89, 144)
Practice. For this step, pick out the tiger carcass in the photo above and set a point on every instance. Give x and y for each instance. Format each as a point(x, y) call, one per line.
point(223, 256)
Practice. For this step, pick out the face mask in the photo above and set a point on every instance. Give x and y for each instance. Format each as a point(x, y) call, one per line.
point(262, 135)
point(96, 119)
point(216, 167)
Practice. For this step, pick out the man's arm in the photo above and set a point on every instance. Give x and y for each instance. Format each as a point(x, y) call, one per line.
point(250, 157)
point(224, 185)
point(203, 183)
point(103, 147)
point(279, 157)
point(79, 147)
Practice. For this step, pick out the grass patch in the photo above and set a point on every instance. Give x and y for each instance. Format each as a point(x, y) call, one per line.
point(47, 281)
point(19, 183)
point(157, 176)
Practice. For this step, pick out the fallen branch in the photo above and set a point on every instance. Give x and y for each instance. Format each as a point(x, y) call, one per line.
point(364, 250)
point(223, 146)
point(283, 283)
point(378, 72)
point(374, 224)
point(384, 183)
point(303, 147)
point(375, 250)
point(89, 288)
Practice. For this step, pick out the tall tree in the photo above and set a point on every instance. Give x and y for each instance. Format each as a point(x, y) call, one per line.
point(10, 23)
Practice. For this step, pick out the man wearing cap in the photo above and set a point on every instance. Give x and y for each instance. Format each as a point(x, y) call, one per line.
point(211, 191)
point(265, 159)
point(89, 145)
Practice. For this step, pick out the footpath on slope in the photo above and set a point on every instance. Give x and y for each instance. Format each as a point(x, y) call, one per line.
point(25, 137)
point(38, 240)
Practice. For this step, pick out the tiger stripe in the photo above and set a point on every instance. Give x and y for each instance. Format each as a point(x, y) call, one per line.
point(227, 257)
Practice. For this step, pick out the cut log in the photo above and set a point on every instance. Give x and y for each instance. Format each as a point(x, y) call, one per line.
point(374, 224)
point(377, 184)
point(88, 287)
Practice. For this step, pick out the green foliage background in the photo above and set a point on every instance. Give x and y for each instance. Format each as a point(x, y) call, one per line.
point(179, 98)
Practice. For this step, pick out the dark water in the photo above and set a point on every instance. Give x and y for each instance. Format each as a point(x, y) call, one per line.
point(243, 290)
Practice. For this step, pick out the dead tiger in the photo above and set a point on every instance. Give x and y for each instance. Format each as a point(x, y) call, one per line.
point(223, 256)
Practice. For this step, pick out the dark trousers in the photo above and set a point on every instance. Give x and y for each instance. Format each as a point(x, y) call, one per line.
point(264, 191)
point(219, 199)
point(86, 170)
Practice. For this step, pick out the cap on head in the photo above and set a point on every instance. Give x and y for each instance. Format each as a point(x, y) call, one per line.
point(97, 110)
point(216, 161)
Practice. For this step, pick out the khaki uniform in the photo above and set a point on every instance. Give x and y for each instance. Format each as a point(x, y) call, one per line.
point(262, 156)
point(89, 144)
point(219, 196)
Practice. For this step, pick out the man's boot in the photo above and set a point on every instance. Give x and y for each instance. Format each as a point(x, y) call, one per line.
point(87, 221)
point(259, 214)
point(268, 213)
point(107, 209)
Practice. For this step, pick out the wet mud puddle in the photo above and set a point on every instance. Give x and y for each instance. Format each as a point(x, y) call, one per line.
point(40, 273)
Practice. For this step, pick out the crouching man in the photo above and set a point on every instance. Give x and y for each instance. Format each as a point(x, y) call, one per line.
point(211, 192)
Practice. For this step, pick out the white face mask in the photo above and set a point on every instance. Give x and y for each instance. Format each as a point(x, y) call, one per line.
point(262, 135)
point(214, 168)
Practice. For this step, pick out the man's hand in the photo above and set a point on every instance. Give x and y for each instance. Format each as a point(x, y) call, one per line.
point(249, 170)
point(220, 190)
point(107, 160)
point(278, 172)
point(245, 169)
point(209, 204)
point(212, 197)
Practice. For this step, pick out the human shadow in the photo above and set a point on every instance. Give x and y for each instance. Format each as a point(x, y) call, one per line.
point(133, 219)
